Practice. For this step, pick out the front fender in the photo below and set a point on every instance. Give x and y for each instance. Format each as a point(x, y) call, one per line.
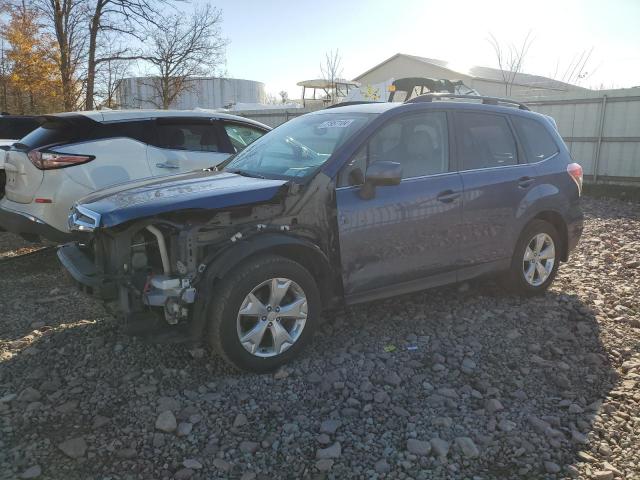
point(214, 268)
point(225, 260)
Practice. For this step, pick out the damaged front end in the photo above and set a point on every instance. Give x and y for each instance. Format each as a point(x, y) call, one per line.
point(165, 261)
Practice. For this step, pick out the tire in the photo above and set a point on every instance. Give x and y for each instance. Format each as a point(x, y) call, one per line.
point(256, 277)
point(516, 278)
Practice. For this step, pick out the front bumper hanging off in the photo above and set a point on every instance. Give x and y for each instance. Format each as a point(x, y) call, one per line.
point(83, 270)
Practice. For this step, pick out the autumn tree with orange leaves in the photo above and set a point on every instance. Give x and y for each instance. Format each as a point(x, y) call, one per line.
point(30, 79)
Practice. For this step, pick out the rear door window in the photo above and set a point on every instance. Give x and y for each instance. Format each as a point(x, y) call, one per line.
point(484, 141)
point(135, 130)
point(184, 135)
point(537, 141)
point(57, 132)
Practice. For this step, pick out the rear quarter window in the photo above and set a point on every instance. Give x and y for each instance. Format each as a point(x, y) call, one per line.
point(14, 128)
point(537, 141)
point(59, 132)
point(55, 132)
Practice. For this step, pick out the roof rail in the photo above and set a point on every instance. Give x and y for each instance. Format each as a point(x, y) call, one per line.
point(429, 97)
point(352, 102)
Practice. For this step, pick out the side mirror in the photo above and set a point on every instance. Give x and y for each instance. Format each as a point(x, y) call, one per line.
point(380, 174)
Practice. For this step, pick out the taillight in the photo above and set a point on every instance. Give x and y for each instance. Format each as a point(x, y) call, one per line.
point(575, 172)
point(49, 160)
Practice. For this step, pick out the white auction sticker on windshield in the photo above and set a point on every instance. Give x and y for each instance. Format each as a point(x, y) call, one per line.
point(336, 123)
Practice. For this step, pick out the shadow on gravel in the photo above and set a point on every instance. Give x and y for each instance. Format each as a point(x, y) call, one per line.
point(541, 358)
point(523, 378)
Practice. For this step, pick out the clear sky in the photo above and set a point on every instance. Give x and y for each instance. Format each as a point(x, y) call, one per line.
point(280, 42)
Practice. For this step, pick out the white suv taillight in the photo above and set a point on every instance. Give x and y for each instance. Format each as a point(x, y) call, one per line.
point(575, 172)
point(50, 160)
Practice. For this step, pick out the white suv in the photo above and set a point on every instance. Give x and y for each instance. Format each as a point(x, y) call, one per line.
point(74, 154)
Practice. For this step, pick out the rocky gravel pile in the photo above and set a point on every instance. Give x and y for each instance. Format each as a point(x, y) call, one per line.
point(458, 382)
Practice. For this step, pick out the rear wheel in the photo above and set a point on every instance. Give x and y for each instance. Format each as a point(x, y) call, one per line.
point(264, 313)
point(536, 259)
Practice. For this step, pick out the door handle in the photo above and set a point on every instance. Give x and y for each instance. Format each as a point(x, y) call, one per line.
point(166, 165)
point(525, 182)
point(447, 196)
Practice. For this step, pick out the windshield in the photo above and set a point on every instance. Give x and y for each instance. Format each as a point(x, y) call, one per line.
point(297, 148)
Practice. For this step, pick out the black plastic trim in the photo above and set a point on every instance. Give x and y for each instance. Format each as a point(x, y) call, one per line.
point(85, 273)
point(430, 97)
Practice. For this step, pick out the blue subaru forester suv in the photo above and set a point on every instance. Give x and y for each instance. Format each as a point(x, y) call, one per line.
point(335, 207)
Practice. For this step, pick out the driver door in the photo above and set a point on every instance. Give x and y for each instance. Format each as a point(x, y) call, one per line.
point(404, 238)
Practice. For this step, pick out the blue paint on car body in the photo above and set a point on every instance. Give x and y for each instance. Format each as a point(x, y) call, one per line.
point(202, 190)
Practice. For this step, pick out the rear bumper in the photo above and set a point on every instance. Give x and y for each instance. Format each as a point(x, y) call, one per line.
point(575, 225)
point(84, 272)
point(24, 223)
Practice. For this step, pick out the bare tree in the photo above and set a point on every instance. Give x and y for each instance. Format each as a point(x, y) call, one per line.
point(123, 17)
point(577, 70)
point(109, 74)
point(4, 76)
point(331, 70)
point(181, 48)
point(510, 59)
point(80, 27)
point(284, 96)
point(67, 20)
point(4, 63)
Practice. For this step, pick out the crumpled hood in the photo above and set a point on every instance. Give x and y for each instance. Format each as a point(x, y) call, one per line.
point(202, 190)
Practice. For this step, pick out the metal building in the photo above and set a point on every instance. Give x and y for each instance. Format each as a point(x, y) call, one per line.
point(487, 81)
point(202, 92)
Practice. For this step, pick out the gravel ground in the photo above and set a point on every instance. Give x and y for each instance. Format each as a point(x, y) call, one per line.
point(458, 382)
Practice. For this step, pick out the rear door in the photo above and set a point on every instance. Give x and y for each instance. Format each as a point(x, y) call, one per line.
point(120, 149)
point(407, 232)
point(185, 144)
point(496, 180)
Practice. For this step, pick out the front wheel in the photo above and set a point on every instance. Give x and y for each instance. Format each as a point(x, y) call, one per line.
point(264, 313)
point(536, 259)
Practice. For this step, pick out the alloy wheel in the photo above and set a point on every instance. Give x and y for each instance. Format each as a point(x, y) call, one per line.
point(272, 317)
point(539, 259)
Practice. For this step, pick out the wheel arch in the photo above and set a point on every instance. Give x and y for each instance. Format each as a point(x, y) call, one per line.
point(302, 251)
point(557, 220)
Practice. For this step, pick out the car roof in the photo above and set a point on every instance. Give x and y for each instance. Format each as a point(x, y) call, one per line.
point(382, 107)
point(142, 114)
point(372, 107)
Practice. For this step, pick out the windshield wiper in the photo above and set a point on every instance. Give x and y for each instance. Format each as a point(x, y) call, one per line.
point(244, 173)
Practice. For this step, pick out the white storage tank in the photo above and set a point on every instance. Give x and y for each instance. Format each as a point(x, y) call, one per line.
point(201, 92)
